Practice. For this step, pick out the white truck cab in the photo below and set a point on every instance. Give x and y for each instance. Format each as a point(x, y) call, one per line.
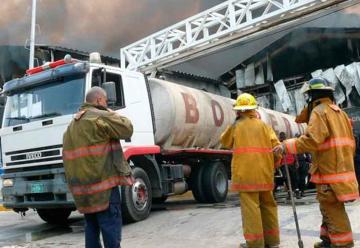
point(38, 110)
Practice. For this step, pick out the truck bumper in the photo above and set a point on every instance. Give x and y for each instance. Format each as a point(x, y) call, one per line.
point(37, 189)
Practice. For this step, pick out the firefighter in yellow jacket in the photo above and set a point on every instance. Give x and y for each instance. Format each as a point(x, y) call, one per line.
point(330, 139)
point(252, 173)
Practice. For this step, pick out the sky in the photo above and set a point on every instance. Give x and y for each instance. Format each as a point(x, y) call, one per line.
point(93, 25)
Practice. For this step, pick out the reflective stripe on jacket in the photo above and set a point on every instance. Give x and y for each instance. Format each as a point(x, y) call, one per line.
point(252, 166)
point(93, 157)
point(330, 139)
point(288, 159)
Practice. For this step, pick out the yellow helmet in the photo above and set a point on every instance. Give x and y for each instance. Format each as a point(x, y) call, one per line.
point(245, 102)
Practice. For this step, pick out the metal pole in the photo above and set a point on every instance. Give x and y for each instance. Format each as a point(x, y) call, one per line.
point(300, 242)
point(32, 34)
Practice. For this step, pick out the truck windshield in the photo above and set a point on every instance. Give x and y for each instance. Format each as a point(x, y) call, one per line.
point(60, 97)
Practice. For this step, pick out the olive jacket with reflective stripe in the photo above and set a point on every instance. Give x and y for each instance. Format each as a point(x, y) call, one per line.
point(93, 159)
point(253, 162)
point(330, 140)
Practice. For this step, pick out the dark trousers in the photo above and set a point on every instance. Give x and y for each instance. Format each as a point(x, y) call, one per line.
point(107, 222)
point(303, 171)
point(357, 166)
point(293, 176)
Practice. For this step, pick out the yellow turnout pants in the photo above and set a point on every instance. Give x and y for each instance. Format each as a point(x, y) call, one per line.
point(260, 219)
point(335, 227)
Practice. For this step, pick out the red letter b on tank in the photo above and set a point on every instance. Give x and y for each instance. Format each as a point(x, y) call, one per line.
point(192, 113)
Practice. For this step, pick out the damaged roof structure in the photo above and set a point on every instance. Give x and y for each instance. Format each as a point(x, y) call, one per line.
point(298, 56)
point(274, 64)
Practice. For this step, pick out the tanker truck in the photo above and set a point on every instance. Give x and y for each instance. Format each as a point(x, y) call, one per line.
point(174, 148)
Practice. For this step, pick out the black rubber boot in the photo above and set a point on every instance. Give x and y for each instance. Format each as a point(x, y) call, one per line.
point(322, 244)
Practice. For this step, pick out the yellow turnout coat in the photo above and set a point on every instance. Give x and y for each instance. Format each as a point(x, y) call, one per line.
point(253, 162)
point(330, 140)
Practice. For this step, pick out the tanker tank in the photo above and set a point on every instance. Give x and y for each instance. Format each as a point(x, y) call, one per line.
point(186, 118)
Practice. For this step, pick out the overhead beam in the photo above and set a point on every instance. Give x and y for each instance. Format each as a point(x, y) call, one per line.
point(214, 29)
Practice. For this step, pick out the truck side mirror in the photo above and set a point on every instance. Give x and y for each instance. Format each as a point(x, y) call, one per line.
point(110, 90)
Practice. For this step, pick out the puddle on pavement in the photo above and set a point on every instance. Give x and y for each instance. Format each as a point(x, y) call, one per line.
point(174, 204)
point(45, 231)
point(43, 234)
point(192, 204)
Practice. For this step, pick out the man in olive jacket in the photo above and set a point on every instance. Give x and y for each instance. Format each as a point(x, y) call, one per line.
point(94, 166)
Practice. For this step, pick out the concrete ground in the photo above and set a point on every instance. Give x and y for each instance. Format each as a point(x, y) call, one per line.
point(181, 223)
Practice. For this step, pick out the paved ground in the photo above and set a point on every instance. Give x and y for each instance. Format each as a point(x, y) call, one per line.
point(182, 223)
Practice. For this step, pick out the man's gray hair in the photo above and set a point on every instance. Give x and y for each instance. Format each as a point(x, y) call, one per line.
point(94, 93)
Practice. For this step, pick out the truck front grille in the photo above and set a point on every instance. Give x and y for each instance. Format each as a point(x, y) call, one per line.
point(34, 155)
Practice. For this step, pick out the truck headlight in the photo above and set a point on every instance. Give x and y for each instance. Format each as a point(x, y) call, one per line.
point(8, 182)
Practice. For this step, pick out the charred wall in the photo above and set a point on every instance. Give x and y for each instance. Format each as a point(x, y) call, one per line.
point(327, 45)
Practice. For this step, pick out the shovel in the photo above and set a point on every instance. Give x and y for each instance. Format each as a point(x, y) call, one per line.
point(300, 242)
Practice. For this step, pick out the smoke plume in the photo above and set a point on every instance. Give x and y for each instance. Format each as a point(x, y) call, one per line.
point(93, 25)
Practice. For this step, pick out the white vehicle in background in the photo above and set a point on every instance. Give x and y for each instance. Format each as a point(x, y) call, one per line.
point(175, 146)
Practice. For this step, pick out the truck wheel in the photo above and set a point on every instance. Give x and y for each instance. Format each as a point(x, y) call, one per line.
point(57, 216)
point(215, 182)
point(197, 183)
point(137, 199)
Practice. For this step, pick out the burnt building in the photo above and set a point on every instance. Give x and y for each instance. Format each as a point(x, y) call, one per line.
point(276, 61)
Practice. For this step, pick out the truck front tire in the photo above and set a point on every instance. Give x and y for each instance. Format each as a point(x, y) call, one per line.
point(56, 216)
point(137, 199)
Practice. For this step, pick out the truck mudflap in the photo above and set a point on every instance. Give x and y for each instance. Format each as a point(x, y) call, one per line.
point(44, 188)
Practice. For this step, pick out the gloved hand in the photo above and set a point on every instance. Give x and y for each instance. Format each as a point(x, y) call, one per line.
point(303, 117)
point(279, 149)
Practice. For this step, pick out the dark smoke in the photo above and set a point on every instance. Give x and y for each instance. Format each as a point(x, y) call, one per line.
point(13, 62)
point(93, 25)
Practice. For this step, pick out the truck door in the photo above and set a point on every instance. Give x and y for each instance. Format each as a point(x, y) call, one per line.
point(132, 101)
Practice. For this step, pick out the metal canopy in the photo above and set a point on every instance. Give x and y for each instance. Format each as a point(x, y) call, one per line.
point(212, 30)
point(217, 64)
